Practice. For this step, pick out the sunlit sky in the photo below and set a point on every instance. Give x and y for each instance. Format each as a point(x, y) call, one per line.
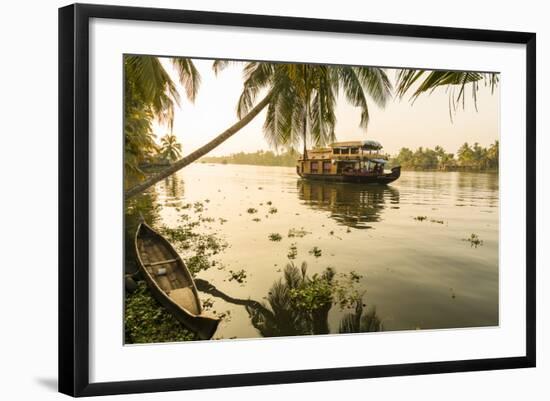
point(400, 124)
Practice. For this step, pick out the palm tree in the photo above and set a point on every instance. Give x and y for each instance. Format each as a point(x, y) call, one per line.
point(465, 154)
point(170, 148)
point(150, 94)
point(493, 155)
point(455, 81)
point(300, 101)
point(361, 321)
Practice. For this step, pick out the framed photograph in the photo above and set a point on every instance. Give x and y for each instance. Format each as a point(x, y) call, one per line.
point(250, 199)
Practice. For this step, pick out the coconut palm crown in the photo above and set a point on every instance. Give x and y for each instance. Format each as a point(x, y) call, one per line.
point(170, 148)
point(455, 82)
point(151, 95)
point(303, 97)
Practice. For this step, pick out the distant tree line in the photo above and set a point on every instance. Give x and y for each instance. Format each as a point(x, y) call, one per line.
point(471, 158)
point(468, 157)
point(259, 158)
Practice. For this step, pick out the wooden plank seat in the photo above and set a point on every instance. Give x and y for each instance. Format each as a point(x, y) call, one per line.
point(161, 262)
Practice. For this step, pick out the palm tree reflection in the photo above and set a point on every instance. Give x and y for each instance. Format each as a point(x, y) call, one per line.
point(299, 304)
point(145, 207)
point(360, 322)
point(174, 189)
point(352, 205)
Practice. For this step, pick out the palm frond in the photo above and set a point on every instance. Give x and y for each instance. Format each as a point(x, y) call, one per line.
point(220, 65)
point(257, 76)
point(189, 76)
point(351, 86)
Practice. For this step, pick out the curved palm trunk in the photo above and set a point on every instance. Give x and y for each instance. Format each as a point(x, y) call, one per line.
point(190, 158)
point(306, 111)
point(305, 138)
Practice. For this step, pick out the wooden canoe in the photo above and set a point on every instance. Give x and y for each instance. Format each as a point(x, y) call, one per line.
point(171, 282)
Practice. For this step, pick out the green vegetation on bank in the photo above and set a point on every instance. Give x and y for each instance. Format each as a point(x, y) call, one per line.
point(259, 158)
point(151, 96)
point(468, 158)
point(147, 321)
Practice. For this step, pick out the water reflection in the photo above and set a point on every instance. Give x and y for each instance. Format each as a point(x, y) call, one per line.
point(420, 274)
point(298, 304)
point(478, 188)
point(143, 206)
point(173, 189)
point(352, 205)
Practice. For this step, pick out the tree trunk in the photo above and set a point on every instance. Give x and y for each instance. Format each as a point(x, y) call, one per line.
point(304, 134)
point(306, 111)
point(305, 148)
point(197, 154)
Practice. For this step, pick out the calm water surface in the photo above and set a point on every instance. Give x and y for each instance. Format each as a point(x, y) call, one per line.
point(418, 274)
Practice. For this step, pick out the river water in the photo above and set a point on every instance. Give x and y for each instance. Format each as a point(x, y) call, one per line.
point(408, 241)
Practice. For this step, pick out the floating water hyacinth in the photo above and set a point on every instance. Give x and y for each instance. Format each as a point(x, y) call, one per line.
point(239, 276)
point(292, 252)
point(315, 251)
point(275, 237)
point(474, 240)
point(299, 233)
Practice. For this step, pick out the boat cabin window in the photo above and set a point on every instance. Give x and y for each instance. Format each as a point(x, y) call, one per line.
point(314, 166)
point(336, 151)
point(354, 151)
point(345, 151)
point(326, 167)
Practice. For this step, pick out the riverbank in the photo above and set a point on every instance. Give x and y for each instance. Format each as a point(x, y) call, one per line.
point(451, 170)
point(434, 170)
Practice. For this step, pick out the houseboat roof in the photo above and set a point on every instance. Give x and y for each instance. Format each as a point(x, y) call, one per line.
point(367, 144)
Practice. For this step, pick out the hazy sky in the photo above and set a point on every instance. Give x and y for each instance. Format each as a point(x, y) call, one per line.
point(399, 124)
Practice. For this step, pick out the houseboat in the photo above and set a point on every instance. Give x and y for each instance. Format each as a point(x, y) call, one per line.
point(355, 161)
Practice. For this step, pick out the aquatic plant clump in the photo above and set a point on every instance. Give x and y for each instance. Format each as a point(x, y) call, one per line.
point(276, 237)
point(420, 218)
point(146, 321)
point(200, 246)
point(316, 251)
point(314, 294)
point(198, 207)
point(292, 252)
point(298, 233)
point(474, 240)
point(239, 276)
point(251, 210)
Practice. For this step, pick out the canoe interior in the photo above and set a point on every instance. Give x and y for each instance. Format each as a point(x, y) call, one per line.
point(167, 269)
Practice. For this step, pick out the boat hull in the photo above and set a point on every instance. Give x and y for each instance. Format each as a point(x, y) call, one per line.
point(203, 326)
point(381, 179)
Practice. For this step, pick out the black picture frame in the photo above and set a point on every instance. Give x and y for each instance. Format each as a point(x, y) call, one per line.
point(74, 198)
